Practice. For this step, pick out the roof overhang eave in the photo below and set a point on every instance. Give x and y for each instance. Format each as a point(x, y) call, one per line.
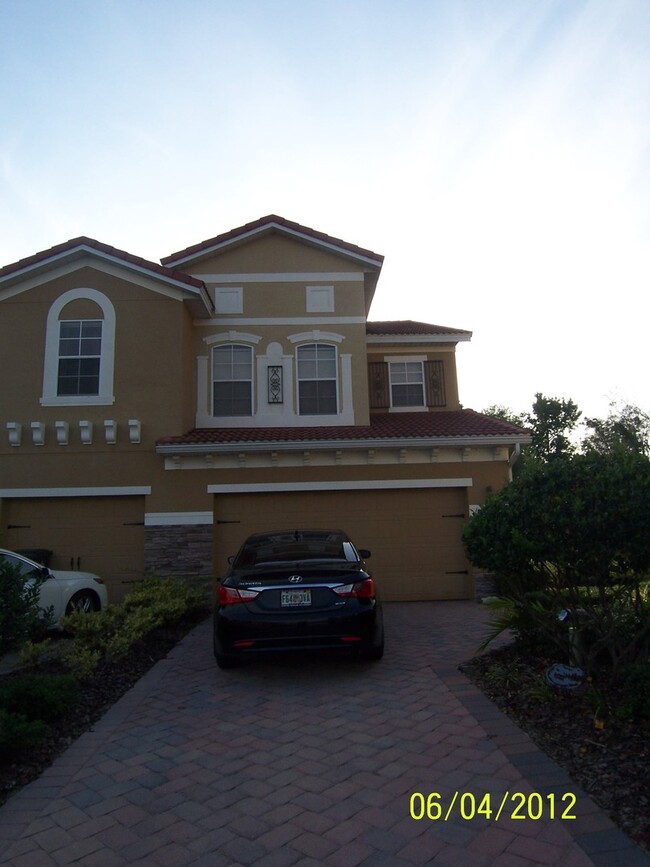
point(451, 337)
point(83, 250)
point(499, 440)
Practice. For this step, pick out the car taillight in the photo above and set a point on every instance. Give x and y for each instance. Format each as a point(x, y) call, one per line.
point(232, 596)
point(359, 590)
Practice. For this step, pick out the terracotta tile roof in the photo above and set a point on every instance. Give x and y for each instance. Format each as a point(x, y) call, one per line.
point(385, 426)
point(233, 234)
point(105, 249)
point(408, 326)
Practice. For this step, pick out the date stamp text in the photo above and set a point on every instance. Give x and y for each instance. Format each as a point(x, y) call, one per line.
point(513, 805)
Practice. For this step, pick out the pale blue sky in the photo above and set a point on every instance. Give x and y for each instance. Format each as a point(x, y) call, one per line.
point(496, 152)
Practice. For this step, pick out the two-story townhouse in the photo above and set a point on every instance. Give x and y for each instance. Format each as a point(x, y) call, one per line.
point(154, 415)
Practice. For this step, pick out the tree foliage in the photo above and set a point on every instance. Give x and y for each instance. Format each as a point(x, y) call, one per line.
point(504, 413)
point(552, 420)
point(578, 531)
point(20, 616)
point(626, 427)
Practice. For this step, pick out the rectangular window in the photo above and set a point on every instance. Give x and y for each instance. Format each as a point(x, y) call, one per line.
point(80, 349)
point(317, 380)
point(406, 383)
point(232, 380)
point(229, 299)
point(320, 299)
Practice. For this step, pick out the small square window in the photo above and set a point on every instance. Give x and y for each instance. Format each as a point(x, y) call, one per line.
point(229, 299)
point(320, 299)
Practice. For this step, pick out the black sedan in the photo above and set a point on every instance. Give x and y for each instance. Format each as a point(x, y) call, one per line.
point(297, 590)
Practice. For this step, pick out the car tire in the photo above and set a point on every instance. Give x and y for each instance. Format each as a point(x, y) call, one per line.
point(373, 654)
point(83, 600)
point(375, 651)
point(224, 661)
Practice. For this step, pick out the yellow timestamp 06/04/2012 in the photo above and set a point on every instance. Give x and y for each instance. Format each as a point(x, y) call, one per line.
point(513, 805)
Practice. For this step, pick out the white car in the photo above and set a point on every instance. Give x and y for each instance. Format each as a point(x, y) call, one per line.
point(63, 592)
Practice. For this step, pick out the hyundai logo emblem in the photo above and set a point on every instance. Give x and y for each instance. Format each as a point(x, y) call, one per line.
point(295, 579)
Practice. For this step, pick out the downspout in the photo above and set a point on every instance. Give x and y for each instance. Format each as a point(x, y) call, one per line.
point(513, 457)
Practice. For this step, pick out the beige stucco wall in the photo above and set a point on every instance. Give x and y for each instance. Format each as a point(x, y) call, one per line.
point(150, 350)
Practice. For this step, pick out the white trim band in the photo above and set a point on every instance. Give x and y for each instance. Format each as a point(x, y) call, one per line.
point(175, 519)
point(109, 491)
point(359, 485)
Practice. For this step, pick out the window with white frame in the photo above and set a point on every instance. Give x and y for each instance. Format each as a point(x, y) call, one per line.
point(232, 380)
point(406, 383)
point(317, 379)
point(80, 352)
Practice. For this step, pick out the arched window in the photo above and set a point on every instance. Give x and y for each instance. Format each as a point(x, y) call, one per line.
point(79, 350)
point(232, 380)
point(317, 379)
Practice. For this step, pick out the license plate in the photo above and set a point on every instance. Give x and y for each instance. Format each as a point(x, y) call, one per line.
point(290, 598)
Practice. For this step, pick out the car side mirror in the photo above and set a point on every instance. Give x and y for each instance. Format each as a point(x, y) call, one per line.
point(46, 573)
point(231, 559)
point(364, 553)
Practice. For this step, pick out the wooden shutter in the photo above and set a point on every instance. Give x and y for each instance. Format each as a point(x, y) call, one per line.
point(378, 385)
point(434, 381)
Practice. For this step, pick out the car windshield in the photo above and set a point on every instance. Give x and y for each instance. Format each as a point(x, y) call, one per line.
point(296, 545)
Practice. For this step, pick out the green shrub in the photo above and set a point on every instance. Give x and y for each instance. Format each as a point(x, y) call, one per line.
point(107, 636)
point(636, 692)
point(19, 733)
point(39, 696)
point(532, 621)
point(20, 616)
point(28, 703)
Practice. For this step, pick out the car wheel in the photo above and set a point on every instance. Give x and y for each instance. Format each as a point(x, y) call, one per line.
point(376, 649)
point(226, 662)
point(84, 600)
point(373, 653)
point(223, 660)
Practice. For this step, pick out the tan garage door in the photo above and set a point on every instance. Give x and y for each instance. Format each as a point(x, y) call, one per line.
point(104, 535)
point(414, 535)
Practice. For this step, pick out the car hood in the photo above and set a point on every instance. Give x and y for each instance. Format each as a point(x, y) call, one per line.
point(67, 575)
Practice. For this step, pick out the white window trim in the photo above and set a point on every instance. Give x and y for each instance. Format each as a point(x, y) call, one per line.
point(300, 379)
point(406, 359)
point(107, 362)
point(252, 381)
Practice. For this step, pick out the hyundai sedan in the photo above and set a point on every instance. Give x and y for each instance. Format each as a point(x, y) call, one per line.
point(62, 592)
point(297, 590)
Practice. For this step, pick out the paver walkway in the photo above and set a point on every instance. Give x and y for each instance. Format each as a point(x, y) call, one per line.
point(308, 762)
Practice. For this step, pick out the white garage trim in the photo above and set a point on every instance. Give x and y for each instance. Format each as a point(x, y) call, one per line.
point(361, 484)
point(126, 491)
point(176, 519)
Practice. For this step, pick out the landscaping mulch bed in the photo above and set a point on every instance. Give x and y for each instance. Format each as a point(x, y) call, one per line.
point(106, 686)
point(607, 757)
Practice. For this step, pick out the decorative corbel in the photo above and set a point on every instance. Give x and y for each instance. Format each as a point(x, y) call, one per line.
point(38, 433)
point(135, 430)
point(110, 431)
point(15, 432)
point(62, 429)
point(86, 431)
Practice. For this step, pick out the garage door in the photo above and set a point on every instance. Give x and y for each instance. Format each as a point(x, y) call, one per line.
point(104, 535)
point(414, 535)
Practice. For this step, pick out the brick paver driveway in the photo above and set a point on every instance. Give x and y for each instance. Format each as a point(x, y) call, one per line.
point(307, 762)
